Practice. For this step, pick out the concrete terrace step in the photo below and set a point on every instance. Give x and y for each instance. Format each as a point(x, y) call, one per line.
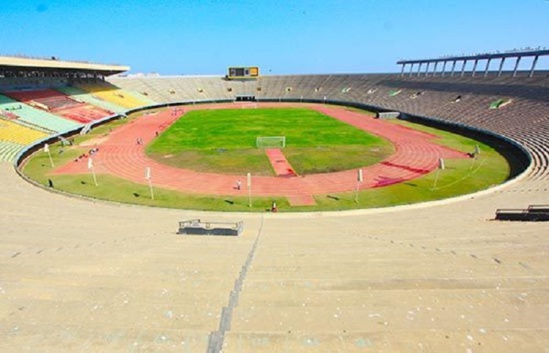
point(8, 151)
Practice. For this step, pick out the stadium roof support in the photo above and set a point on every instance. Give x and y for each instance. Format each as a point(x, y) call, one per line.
point(517, 55)
point(22, 66)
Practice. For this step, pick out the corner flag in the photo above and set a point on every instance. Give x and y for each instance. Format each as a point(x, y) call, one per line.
point(47, 150)
point(249, 184)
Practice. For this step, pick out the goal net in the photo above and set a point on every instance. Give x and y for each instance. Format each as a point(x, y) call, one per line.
point(270, 142)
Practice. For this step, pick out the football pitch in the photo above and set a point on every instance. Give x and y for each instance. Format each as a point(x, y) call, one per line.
point(224, 141)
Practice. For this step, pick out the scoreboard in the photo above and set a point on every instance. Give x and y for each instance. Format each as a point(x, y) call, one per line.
point(248, 72)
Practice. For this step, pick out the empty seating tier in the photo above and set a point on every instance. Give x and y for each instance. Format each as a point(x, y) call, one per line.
point(84, 96)
point(12, 132)
point(36, 118)
point(117, 96)
point(46, 99)
point(9, 150)
point(60, 104)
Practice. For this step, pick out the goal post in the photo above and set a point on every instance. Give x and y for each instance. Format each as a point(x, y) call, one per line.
point(270, 142)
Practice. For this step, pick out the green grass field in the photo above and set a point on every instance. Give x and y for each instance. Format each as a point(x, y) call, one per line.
point(460, 177)
point(224, 141)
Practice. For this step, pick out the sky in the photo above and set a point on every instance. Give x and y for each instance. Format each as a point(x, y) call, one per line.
point(204, 37)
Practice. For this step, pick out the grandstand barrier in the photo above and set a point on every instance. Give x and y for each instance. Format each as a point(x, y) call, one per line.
point(534, 213)
point(198, 227)
point(521, 153)
point(358, 105)
point(506, 146)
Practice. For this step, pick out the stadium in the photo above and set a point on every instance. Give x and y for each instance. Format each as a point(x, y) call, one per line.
point(88, 271)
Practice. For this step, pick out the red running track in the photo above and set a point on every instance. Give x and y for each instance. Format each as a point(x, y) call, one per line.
point(280, 164)
point(120, 155)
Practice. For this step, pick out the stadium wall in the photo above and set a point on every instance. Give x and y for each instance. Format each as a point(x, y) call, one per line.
point(520, 159)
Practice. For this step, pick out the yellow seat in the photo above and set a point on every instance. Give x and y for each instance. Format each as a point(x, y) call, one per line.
point(13, 132)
